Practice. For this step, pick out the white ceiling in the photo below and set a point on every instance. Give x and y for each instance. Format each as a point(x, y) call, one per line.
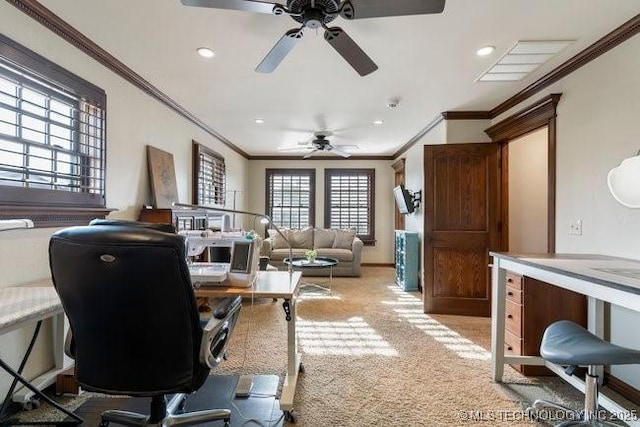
point(426, 61)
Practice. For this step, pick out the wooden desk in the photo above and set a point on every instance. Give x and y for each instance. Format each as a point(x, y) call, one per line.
point(22, 306)
point(600, 278)
point(273, 284)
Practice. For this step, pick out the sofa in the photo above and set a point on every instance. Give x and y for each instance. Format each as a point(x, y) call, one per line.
point(342, 245)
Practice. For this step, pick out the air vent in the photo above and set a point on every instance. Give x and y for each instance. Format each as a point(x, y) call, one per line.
point(523, 57)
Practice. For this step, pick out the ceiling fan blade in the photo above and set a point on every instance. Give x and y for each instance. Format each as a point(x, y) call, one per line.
point(279, 51)
point(309, 154)
point(350, 51)
point(360, 9)
point(340, 152)
point(243, 5)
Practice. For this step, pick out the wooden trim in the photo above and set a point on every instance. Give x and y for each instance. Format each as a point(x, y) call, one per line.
point(46, 217)
point(377, 264)
point(310, 172)
point(63, 29)
point(503, 196)
point(625, 390)
point(331, 158)
point(466, 115)
point(398, 165)
point(435, 122)
point(535, 116)
point(605, 44)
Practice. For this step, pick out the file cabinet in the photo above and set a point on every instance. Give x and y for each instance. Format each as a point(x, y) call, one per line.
point(407, 259)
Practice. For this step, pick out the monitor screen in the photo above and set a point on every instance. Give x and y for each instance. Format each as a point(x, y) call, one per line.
point(403, 199)
point(241, 256)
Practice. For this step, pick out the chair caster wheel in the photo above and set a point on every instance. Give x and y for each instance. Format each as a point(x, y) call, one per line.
point(290, 416)
point(302, 369)
point(104, 423)
point(32, 404)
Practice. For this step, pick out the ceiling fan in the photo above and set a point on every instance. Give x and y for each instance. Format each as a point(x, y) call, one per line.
point(315, 14)
point(321, 143)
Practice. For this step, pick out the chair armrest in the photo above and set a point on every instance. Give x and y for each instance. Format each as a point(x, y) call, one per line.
point(69, 345)
point(216, 333)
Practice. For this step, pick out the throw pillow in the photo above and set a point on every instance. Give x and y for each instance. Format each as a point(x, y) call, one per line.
point(344, 239)
point(323, 238)
point(278, 241)
point(302, 239)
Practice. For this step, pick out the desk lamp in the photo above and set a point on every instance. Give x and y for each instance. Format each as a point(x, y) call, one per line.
point(264, 219)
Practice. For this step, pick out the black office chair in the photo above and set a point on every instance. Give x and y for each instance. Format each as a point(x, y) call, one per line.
point(135, 326)
point(569, 344)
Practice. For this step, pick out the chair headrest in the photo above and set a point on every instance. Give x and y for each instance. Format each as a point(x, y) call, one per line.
point(167, 228)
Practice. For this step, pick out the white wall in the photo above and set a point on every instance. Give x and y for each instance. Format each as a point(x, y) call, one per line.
point(134, 120)
point(528, 184)
point(382, 252)
point(597, 127)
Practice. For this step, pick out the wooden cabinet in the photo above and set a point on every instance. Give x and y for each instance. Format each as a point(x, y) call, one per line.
point(531, 306)
point(407, 257)
point(181, 219)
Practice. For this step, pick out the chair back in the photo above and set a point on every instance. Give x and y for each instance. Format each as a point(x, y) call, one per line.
point(128, 296)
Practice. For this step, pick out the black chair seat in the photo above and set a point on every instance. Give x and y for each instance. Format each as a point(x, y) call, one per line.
point(567, 343)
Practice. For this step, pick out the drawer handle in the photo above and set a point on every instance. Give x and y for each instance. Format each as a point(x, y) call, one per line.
point(510, 293)
point(510, 280)
point(509, 348)
point(509, 316)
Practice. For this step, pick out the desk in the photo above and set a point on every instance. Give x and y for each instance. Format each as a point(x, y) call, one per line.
point(601, 278)
point(22, 306)
point(273, 284)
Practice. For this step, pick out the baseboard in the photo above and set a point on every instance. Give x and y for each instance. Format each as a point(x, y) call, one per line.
point(624, 389)
point(377, 264)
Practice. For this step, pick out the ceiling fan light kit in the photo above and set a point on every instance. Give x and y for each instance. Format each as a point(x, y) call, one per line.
point(316, 14)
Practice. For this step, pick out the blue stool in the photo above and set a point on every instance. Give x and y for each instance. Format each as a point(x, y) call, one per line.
point(569, 344)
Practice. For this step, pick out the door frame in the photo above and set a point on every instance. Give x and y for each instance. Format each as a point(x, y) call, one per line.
point(538, 115)
point(398, 177)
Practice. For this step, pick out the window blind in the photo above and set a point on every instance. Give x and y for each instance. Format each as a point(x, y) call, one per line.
point(291, 197)
point(349, 200)
point(211, 177)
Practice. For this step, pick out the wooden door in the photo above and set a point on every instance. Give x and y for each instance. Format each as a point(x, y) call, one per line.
point(461, 219)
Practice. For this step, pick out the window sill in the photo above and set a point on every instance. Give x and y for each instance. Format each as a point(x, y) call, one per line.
point(369, 242)
point(51, 216)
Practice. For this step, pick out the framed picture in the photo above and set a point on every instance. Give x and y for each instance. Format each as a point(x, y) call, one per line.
point(162, 176)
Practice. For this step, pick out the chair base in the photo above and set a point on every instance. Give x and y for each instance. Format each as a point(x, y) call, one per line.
point(169, 418)
point(571, 416)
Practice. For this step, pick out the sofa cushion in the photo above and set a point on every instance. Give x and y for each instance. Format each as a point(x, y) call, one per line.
point(278, 241)
point(301, 238)
point(342, 255)
point(280, 254)
point(323, 238)
point(344, 239)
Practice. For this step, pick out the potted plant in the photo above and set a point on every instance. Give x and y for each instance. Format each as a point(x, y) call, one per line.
point(311, 256)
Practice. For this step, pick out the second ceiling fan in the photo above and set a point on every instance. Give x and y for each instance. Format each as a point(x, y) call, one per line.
point(315, 14)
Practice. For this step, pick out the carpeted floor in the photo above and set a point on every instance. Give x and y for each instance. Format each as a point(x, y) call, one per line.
point(372, 357)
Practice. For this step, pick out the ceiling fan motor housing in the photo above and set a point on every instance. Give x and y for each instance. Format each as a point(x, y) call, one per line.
point(323, 12)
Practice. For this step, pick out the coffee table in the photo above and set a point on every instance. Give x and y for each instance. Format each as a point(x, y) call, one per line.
point(302, 263)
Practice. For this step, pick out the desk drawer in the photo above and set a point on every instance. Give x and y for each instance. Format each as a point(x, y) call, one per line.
point(512, 344)
point(513, 318)
point(514, 280)
point(514, 294)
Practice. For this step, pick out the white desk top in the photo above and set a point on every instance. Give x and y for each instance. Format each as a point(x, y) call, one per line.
point(617, 273)
point(268, 284)
point(23, 304)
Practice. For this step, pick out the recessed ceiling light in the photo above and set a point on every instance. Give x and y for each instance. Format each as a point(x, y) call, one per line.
point(486, 50)
point(206, 52)
point(258, 121)
point(378, 122)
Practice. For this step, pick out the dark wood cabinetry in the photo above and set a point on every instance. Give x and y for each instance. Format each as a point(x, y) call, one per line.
point(531, 306)
point(182, 219)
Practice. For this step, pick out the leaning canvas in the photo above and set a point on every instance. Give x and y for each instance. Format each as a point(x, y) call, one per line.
point(162, 175)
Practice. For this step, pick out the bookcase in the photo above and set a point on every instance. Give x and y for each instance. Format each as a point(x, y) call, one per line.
point(407, 259)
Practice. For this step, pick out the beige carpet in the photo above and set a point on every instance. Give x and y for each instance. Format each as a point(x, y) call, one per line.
point(373, 358)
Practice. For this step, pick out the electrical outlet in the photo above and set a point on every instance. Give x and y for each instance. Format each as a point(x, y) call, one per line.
point(575, 227)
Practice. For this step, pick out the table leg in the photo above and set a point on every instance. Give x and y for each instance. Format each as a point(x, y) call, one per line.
point(498, 296)
point(293, 359)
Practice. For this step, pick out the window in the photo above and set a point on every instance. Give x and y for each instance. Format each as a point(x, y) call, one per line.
point(52, 141)
point(209, 177)
point(349, 201)
point(291, 197)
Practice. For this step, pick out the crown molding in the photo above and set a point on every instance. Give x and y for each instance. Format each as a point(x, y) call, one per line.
point(63, 29)
point(321, 158)
point(428, 128)
point(526, 120)
point(466, 115)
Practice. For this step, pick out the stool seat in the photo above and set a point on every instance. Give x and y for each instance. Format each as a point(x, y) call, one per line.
point(567, 343)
